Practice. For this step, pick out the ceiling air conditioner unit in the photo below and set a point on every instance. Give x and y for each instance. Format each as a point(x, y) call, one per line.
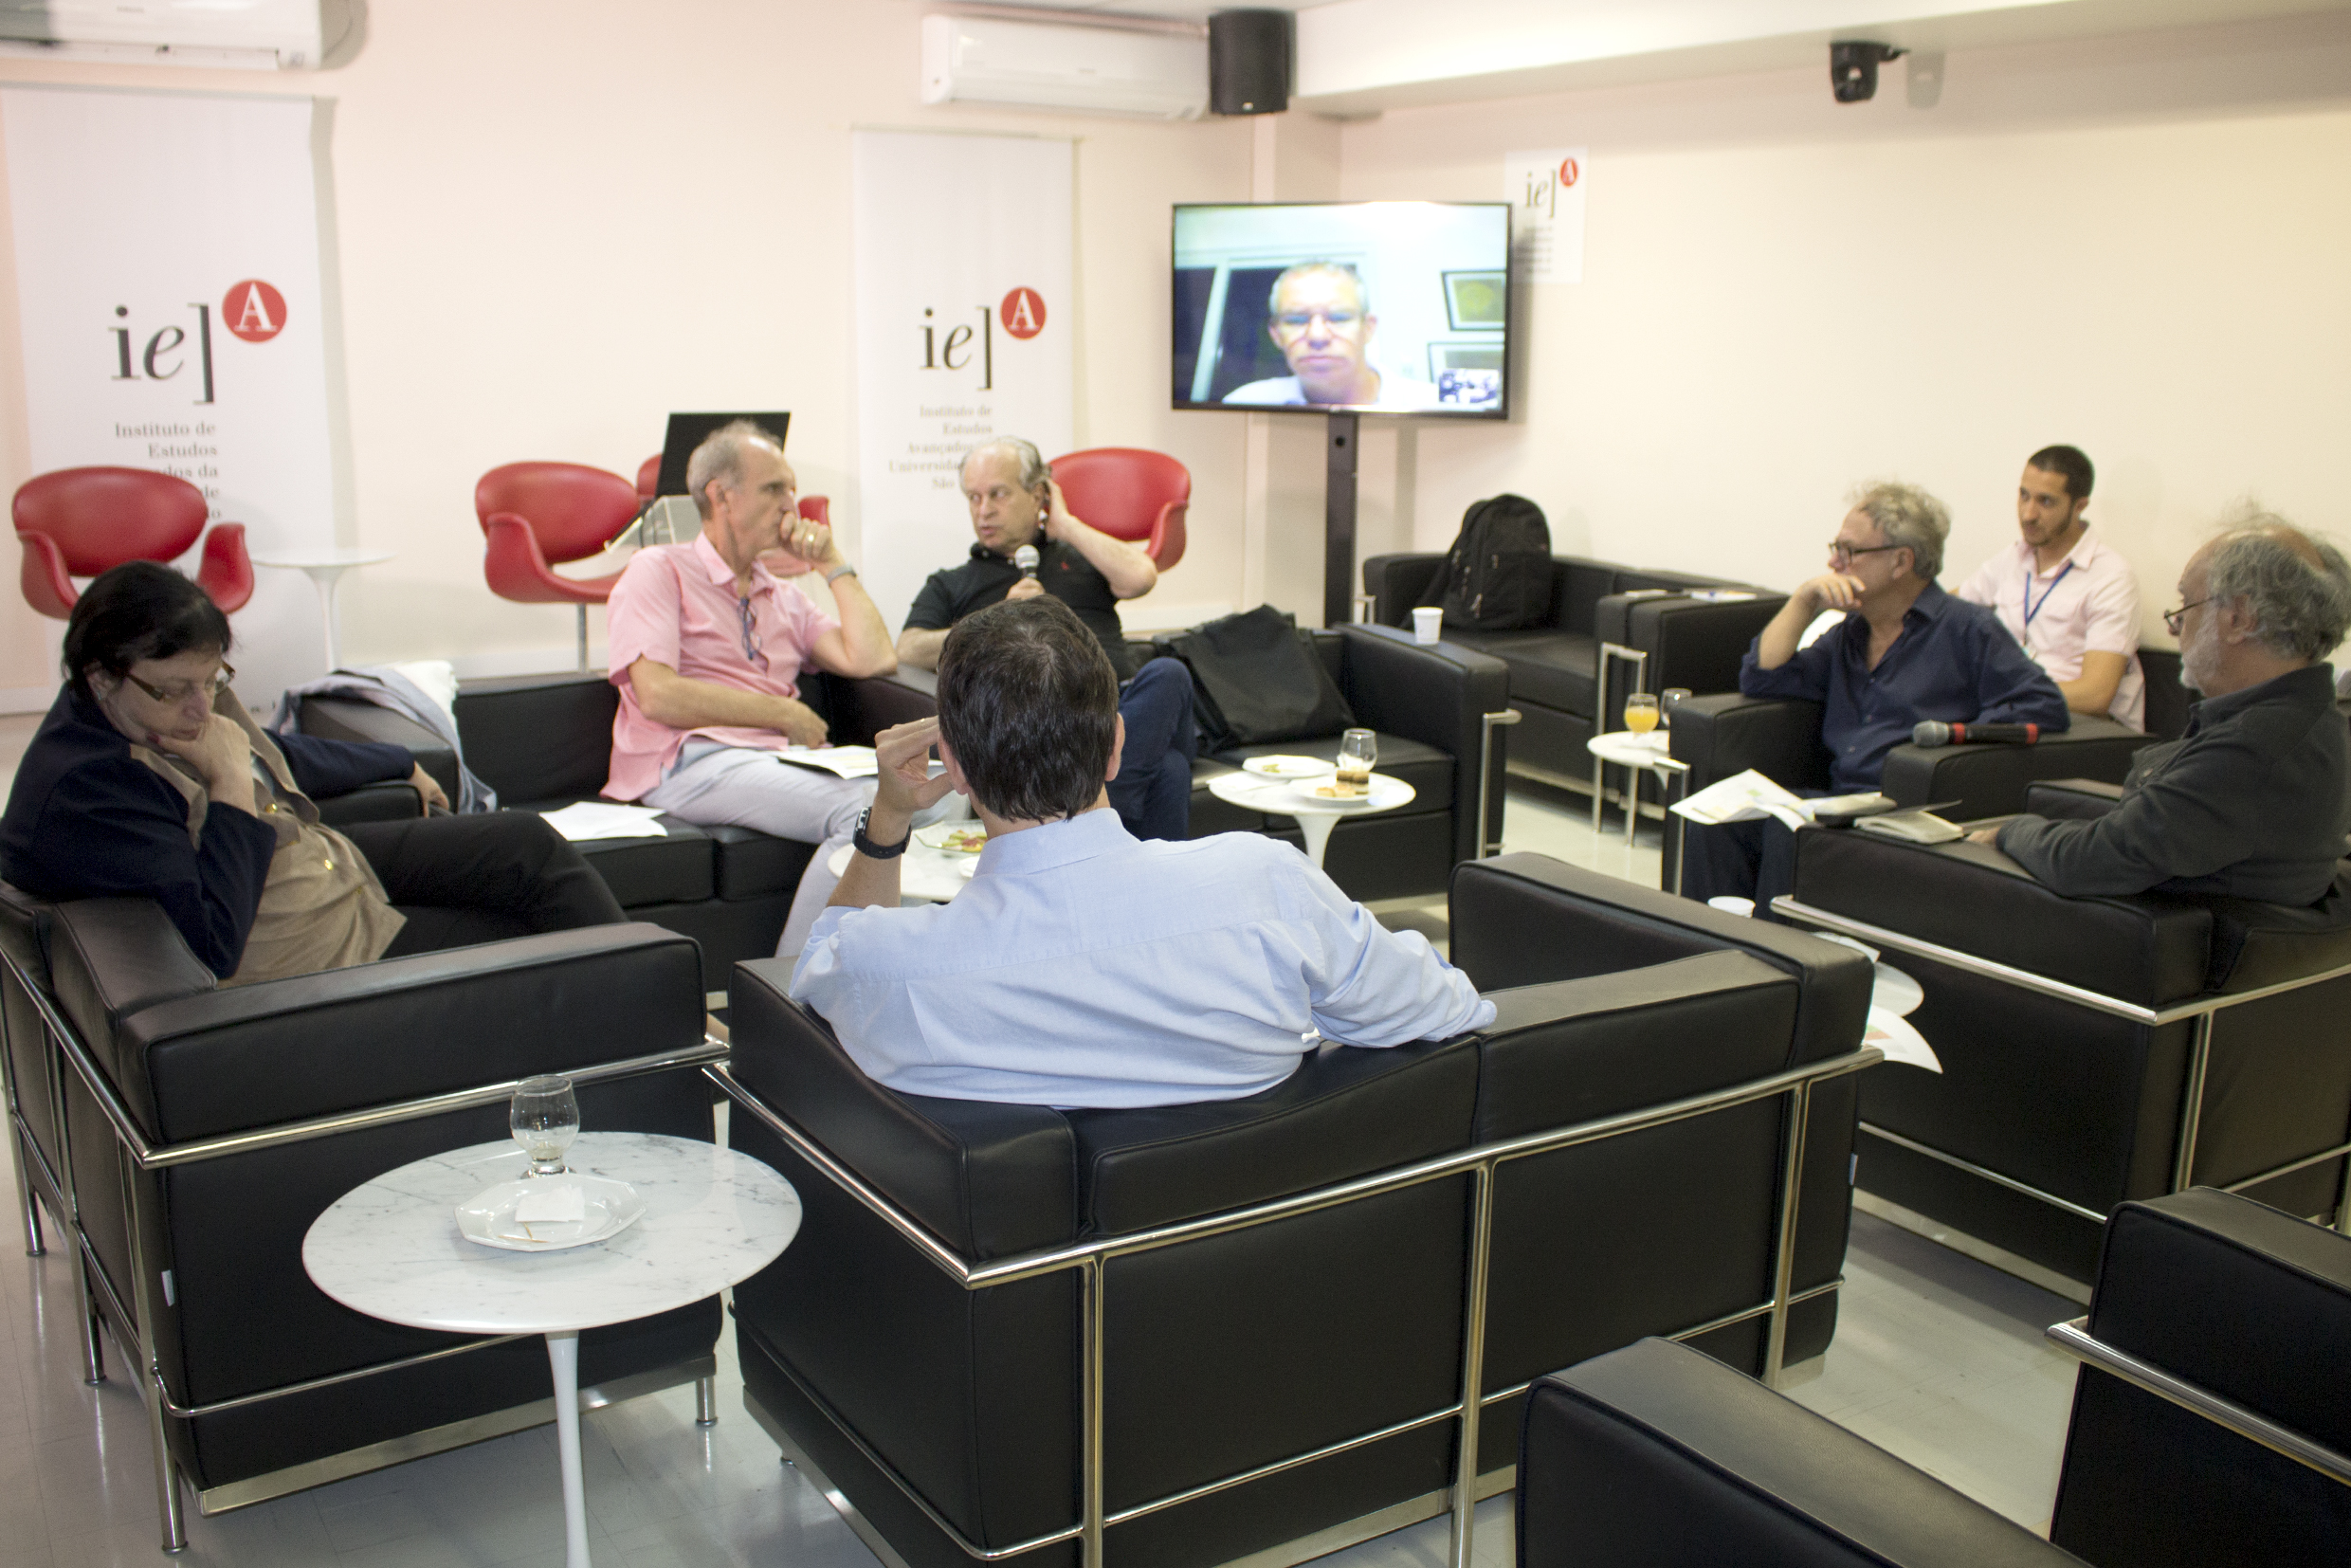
point(248, 35)
point(1160, 75)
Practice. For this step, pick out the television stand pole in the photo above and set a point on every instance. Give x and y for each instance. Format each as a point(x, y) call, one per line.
point(1338, 519)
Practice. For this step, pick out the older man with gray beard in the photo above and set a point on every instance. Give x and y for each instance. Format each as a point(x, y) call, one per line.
point(2250, 802)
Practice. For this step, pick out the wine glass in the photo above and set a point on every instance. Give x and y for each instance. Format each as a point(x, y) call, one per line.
point(1668, 700)
point(1358, 751)
point(1641, 712)
point(545, 1118)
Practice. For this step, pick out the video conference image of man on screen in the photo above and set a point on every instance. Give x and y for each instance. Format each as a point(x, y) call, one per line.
point(1387, 307)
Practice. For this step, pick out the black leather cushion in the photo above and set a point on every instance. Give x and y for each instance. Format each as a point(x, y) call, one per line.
point(2246, 1304)
point(2072, 799)
point(1345, 1112)
point(1970, 897)
point(1721, 736)
point(675, 868)
point(1991, 780)
point(1429, 771)
point(1577, 1050)
point(539, 738)
point(1521, 919)
point(372, 803)
point(1659, 1457)
point(751, 863)
point(192, 1062)
point(2258, 944)
point(987, 1180)
point(1555, 669)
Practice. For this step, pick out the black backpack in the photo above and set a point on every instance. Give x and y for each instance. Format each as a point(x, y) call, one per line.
point(1498, 573)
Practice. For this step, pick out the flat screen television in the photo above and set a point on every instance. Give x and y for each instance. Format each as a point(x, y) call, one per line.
point(1372, 307)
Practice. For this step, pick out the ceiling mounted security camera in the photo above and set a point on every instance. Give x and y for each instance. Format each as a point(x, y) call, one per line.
point(1854, 69)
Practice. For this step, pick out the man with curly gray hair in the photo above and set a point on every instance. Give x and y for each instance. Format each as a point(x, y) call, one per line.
point(2250, 802)
point(1905, 652)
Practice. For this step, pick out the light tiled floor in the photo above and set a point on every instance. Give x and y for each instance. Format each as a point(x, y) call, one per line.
point(1937, 1357)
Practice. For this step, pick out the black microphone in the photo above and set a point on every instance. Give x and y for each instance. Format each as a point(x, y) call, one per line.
point(1026, 559)
point(1928, 733)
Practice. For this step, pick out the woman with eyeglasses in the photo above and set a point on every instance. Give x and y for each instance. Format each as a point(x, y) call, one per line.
point(149, 779)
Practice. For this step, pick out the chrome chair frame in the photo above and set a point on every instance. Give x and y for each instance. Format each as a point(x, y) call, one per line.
point(103, 1309)
point(2202, 1009)
point(2075, 1340)
point(1088, 1260)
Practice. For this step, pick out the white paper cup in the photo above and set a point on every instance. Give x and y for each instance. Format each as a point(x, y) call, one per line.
point(1427, 622)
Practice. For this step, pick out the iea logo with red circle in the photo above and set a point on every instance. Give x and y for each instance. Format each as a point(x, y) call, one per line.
point(1023, 312)
point(253, 310)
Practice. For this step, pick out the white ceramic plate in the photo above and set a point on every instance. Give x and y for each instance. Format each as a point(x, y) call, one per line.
point(611, 1207)
point(1305, 789)
point(1288, 767)
point(954, 838)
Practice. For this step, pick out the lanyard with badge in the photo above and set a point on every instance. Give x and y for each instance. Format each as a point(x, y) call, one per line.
point(2031, 609)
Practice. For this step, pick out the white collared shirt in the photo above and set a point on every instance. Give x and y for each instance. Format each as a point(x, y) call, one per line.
point(2088, 603)
point(1081, 966)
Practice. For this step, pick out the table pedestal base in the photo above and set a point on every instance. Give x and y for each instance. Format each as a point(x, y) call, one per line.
point(563, 1356)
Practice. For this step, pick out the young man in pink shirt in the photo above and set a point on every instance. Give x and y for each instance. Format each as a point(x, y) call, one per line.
point(706, 648)
point(2067, 595)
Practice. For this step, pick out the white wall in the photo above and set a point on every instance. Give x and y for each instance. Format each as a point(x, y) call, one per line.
point(2137, 246)
point(552, 225)
point(556, 222)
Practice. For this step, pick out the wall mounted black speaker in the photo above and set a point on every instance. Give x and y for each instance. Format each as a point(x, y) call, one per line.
point(1248, 62)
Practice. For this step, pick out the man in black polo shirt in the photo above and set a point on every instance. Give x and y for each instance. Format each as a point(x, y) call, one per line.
point(1014, 502)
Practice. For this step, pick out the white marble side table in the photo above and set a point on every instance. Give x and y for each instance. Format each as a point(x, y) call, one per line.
point(326, 568)
point(1632, 751)
point(1316, 818)
point(390, 1249)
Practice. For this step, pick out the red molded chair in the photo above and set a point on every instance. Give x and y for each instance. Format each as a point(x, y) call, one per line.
point(538, 514)
point(77, 523)
point(648, 477)
point(1130, 494)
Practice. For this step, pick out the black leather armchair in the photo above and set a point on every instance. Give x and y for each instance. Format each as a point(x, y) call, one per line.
point(1611, 626)
point(2094, 1050)
point(1657, 1456)
point(2209, 1427)
point(1718, 735)
point(183, 1137)
point(1200, 1331)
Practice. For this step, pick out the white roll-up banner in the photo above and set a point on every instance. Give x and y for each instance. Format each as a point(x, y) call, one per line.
point(964, 261)
point(168, 286)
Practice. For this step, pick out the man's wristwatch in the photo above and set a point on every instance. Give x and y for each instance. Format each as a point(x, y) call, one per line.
point(871, 850)
point(844, 570)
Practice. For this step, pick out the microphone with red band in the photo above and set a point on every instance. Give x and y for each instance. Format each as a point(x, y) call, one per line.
point(1928, 733)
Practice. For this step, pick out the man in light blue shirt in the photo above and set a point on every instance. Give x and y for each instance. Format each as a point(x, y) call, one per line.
point(1082, 966)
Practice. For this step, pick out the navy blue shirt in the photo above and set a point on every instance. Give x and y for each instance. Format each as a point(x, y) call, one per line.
point(86, 819)
point(1954, 663)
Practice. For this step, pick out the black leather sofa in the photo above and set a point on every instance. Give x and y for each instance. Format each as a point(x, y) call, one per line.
point(1210, 1331)
point(1656, 637)
point(543, 742)
point(2241, 1316)
point(182, 1138)
point(2094, 1050)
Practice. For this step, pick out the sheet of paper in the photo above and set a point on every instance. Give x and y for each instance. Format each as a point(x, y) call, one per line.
point(848, 761)
point(1743, 798)
point(592, 819)
point(1899, 1041)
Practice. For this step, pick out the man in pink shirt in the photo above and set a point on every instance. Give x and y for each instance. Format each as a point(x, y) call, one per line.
point(2067, 595)
point(706, 648)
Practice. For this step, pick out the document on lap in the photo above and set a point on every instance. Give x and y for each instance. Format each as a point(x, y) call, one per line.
point(847, 762)
point(593, 819)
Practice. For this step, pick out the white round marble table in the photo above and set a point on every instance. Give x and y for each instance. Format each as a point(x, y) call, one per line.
point(924, 875)
point(390, 1249)
point(325, 569)
point(1314, 817)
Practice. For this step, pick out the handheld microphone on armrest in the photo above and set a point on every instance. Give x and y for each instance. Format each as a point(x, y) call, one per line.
point(1928, 733)
point(1026, 559)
